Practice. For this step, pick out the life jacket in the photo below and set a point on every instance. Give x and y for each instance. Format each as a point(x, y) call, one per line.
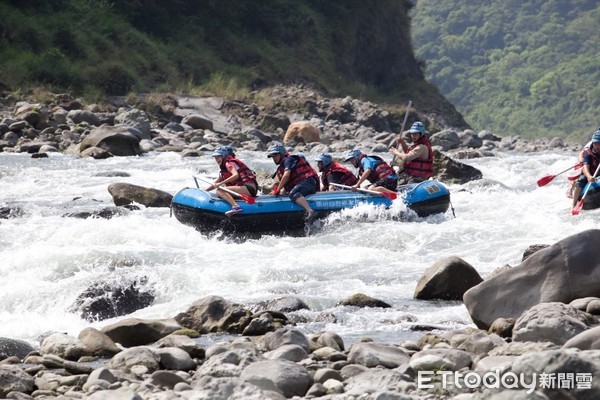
point(245, 174)
point(420, 167)
point(347, 178)
point(595, 159)
point(382, 169)
point(301, 171)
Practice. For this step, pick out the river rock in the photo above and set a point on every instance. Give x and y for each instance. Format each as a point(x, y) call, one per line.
point(292, 379)
point(134, 357)
point(586, 340)
point(302, 131)
point(106, 300)
point(13, 378)
point(377, 354)
point(451, 171)
point(447, 279)
point(568, 361)
point(215, 314)
point(14, 347)
point(97, 343)
point(567, 270)
point(551, 322)
point(117, 140)
point(126, 193)
point(131, 332)
point(362, 300)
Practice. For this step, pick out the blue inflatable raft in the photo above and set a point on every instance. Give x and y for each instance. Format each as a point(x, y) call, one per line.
point(205, 211)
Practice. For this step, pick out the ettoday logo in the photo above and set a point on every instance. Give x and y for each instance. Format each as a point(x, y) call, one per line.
point(506, 380)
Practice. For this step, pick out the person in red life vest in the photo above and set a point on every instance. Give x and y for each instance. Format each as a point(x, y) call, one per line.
point(296, 178)
point(591, 160)
point(333, 172)
point(235, 175)
point(382, 176)
point(418, 158)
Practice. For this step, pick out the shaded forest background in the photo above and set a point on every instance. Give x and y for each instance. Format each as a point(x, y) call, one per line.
point(216, 47)
point(528, 67)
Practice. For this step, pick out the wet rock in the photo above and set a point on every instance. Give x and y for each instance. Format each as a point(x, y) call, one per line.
point(111, 299)
point(125, 193)
point(362, 300)
point(559, 273)
point(447, 279)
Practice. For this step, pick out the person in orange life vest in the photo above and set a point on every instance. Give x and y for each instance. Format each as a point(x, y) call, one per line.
point(382, 176)
point(235, 175)
point(296, 178)
point(333, 172)
point(591, 160)
point(418, 158)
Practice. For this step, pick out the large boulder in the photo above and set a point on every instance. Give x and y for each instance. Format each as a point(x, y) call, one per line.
point(118, 140)
point(451, 171)
point(551, 322)
point(563, 272)
point(104, 300)
point(126, 193)
point(215, 314)
point(14, 347)
point(302, 131)
point(447, 279)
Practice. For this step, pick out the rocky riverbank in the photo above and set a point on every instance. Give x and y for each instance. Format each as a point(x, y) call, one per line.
point(220, 350)
point(194, 125)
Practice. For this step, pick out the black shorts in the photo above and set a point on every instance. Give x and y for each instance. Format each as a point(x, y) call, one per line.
point(253, 190)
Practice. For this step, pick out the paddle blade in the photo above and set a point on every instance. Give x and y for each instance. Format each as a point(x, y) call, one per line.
point(545, 180)
point(577, 208)
point(248, 199)
point(390, 195)
point(573, 178)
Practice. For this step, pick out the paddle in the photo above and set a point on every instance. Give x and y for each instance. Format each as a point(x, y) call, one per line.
point(547, 179)
point(248, 199)
point(402, 129)
point(389, 195)
point(579, 205)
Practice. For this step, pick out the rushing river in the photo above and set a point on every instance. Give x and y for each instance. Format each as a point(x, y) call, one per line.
point(47, 259)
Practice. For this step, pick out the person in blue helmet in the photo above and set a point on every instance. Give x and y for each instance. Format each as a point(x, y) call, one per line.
point(296, 178)
point(235, 175)
point(379, 173)
point(591, 161)
point(333, 172)
point(417, 159)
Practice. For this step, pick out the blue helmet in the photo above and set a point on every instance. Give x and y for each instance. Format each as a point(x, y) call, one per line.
point(325, 158)
point(417, 127)
point(353, 154)
point(220, 152)
point(277, 148)
point(229, 150)
point(596, 137)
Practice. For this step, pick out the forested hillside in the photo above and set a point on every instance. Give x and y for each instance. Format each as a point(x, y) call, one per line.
point(528, 67)
point(224, 47)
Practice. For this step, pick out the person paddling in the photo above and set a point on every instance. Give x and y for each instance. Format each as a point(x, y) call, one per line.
point(418, 158)
point(235, 175)
point(333, 172)
point(591, 160)
point(296, 178)
point(382, 176)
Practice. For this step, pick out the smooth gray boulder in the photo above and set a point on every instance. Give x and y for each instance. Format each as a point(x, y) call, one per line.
point(447, 279)
point(551, 322)
point(563, 272)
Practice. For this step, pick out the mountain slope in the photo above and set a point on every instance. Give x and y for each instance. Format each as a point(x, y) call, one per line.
point(361, 48)
point(516, 67)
